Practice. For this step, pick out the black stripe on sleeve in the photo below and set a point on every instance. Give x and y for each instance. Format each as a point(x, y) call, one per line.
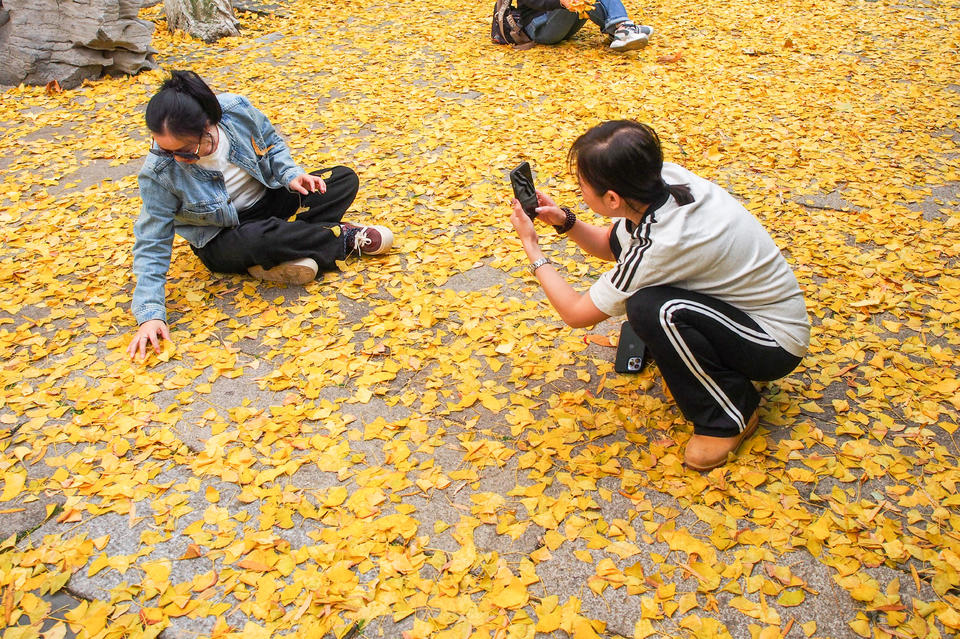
point(615, 247)
point(627, 269)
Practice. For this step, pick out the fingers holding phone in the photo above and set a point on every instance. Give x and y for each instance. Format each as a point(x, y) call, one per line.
point(544, 200)
point(533, 203)
point(551, 214)
point(548, 211)
point(523, 224)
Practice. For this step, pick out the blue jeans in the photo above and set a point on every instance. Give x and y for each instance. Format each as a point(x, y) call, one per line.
point(558, 25)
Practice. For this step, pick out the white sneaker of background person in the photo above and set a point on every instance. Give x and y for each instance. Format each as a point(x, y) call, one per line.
point(630, 36)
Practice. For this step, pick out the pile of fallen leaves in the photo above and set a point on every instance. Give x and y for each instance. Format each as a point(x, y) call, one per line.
point(416, 446)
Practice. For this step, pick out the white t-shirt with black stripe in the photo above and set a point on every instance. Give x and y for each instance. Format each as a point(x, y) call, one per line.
point(712, 246)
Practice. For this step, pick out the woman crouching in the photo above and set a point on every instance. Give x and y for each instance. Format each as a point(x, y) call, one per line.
point(700, 280)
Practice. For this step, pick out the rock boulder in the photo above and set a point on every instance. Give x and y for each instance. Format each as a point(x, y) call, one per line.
point(72, 40)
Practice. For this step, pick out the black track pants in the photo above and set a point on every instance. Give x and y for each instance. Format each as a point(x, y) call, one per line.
point(266, 237)
point(708, 352)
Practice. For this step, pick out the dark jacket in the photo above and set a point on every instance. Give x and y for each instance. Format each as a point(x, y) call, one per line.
point(530, 9)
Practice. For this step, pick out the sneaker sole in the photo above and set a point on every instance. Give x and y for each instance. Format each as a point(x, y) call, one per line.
point(633, 45)
point(299, 272)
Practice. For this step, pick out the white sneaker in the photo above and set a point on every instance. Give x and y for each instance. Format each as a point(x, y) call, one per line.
point(293, 272)
point(629, 37)
point(371, 240)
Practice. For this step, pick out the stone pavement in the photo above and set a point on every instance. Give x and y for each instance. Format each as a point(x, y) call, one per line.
point(429, 383)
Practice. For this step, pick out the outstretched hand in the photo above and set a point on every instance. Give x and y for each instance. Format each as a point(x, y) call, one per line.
point(150, 332)
point(305, 184)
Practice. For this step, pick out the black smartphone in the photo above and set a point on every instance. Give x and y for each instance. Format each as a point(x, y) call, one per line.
point(631, 352)
point(521, 178)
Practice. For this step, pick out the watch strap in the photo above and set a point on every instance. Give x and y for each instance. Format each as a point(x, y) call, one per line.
point(538, 264)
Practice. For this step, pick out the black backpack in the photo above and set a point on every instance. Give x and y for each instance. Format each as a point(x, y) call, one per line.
point(506, 28)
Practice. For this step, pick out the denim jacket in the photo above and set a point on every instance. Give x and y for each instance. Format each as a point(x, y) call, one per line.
point(192, 202)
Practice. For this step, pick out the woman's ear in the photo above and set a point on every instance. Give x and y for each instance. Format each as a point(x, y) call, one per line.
point(612, 200)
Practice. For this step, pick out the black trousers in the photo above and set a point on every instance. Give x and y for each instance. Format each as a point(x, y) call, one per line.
point(708, 353)
point(266, 236)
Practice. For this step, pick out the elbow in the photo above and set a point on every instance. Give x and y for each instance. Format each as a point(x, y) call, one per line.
point(573, 321)
point(581, 314)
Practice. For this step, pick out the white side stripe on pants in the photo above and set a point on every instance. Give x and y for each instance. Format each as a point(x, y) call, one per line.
point(673, 334)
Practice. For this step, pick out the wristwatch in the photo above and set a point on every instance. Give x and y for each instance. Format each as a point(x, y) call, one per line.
point(538, 264)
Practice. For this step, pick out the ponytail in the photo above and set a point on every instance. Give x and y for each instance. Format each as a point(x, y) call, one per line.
point(184, 106)
point(625, 157)
point(681, 193)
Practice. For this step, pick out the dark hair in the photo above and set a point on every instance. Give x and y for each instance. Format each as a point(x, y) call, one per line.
point(624, 156)
point(184, 106)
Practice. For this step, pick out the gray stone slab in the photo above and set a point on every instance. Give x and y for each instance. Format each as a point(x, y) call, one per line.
point(50, 134)
point(352, 310)
point(93, 172)
point(225, 394)
point(933, 207)
point(125, 539)
point(459, 97)
point(34, 513)
point(831, 201)
point(60, 603)
point(476, 279)
point(24, 522)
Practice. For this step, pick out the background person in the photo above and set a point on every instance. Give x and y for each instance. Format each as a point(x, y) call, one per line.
point(700, 280)
point(219, 175)
point(551, 21)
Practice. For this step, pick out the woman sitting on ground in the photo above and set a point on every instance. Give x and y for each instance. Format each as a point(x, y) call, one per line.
point(700, 280)
point(219, 175)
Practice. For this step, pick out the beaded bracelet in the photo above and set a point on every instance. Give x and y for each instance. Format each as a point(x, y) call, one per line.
point(568, 223)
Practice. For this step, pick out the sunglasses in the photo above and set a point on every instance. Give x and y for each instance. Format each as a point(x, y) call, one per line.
point(183, 155)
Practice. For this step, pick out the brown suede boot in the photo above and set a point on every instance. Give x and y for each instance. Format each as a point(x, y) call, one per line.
point(704, 452)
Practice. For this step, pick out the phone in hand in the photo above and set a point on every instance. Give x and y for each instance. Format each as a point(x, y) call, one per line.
point(631, 352)
point(521, 178)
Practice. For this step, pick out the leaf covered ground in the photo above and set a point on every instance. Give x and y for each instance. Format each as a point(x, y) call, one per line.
point(416, 446)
